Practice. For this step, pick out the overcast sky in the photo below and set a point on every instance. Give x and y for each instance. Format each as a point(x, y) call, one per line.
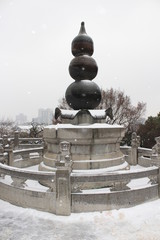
point(35, 50)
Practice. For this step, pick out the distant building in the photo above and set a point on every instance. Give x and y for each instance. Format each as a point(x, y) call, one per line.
point(35, 120)
point(21, 119)
point(45, 116)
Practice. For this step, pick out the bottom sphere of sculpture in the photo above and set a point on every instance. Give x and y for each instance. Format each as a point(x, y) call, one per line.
point(83, 94)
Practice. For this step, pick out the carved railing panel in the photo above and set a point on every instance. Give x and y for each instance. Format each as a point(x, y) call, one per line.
point(19, 182)
point(115, 181)
point(19, 176)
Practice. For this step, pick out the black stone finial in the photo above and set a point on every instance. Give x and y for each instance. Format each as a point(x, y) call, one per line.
point(82, 29)
point(82, 43)
point(83, 93)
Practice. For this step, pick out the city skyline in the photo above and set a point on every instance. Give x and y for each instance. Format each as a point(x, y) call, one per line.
point(35, 48)
point(44, 116)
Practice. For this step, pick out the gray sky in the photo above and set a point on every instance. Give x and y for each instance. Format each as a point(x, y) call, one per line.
point(35, 50)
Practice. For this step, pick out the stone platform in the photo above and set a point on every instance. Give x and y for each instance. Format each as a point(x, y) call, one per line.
point(92, 146)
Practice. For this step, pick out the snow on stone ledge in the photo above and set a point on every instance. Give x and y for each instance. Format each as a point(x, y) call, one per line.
point(88, 126)
point(100, 113)
point(69, 113)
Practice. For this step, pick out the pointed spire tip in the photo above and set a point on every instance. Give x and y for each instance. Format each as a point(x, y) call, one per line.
point(82, 29)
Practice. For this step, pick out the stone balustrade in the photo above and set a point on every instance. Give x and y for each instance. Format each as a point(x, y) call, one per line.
point(14, 150)
point(16, 188)
point(145, 157)
point(66, 190)
point(21, 176)
point(27, 157)
point(21, 143)
point(22, 157)
point(115, 180)
point(29, 143)
point(119, 192)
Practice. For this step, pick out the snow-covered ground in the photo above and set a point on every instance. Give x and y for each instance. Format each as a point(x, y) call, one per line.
point(137, 223)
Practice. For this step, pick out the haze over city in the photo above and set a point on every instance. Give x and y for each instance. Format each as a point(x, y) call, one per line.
point(35, 50)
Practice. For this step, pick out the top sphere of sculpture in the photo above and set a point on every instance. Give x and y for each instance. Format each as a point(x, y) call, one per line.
point(82, 44)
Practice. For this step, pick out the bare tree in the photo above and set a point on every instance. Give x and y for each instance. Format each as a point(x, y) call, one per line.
point(124, 113)
point(62, 104)
point(6, 127)
point(36, 130)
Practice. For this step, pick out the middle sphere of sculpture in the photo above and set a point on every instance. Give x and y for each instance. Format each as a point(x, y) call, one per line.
point(83, 67)
point(83, 94)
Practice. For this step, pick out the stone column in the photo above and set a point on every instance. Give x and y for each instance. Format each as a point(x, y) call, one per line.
point(63, 185)
point(135, 143)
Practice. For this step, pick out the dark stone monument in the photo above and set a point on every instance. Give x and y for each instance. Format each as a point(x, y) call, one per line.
point(83, 93)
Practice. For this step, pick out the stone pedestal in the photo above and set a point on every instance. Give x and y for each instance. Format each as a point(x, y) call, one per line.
point(93, 146)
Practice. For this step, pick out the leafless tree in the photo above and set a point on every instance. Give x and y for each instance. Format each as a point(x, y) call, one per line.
point(124, 113)
point(36, 130)
point(6, 127)
point(62, 104)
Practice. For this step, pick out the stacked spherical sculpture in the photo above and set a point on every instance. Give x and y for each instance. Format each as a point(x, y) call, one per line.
point(83, 93)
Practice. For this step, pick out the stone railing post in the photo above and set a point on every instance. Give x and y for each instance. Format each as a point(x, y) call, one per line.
point(135, 143)
point(16, 139)
point(63, 185)
point(5, 140)
point(9, 150)
point(1, 154)
point(44, 145)
point(155, 158)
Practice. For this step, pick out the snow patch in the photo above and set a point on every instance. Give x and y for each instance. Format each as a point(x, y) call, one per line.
point(135, 223)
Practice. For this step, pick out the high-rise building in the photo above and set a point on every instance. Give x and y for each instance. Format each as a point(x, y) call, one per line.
point(21, 119)
point(45, 116)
